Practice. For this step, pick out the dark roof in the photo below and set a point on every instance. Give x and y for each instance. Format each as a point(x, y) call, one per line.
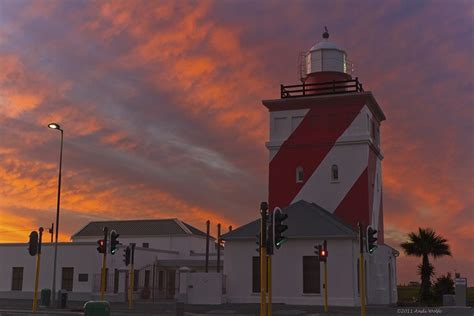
point(148, 227)
point(305, 220)
point(194, 230)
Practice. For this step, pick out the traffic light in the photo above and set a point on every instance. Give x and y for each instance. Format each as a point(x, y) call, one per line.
point(33, 243)
point(102, 247)
point(126, 256)
point(279, 227)
point(114, 242)
point(258, 243)
point(371, 239)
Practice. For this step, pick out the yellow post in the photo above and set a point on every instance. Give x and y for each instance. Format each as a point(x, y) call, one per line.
point(269, 276)
point(130, 288)
point(362, 285)
point(263, 282)
point(38, 261)
point(103, 277)
point(361, 270)
point(325, 286)
point(35, 297)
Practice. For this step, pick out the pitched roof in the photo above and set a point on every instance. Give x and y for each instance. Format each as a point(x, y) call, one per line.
point(305, 220)
point(147, 227)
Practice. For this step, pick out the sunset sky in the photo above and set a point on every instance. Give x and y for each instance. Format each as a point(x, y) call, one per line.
point(160, 103)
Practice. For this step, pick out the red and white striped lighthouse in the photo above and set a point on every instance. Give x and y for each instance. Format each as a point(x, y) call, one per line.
point(325, 141)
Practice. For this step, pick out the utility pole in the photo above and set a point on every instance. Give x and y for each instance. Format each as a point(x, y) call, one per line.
point(361, 270)
point(132, 275)
point(263, 259)
point(103, 278)
point(218, 248)
point(208, 223)
point(38, 261)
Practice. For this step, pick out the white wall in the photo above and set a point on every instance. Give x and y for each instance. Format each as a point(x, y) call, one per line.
point(288, 272)
point(83, 257)
point(204, 288)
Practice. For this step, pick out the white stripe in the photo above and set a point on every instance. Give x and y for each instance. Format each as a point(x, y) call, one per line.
point(377, 194)
point(351, 155)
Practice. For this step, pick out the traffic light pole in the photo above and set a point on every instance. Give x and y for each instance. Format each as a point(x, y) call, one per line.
point(263, 279)
point(132, 276)
point(325, 286)
point(269, 276)
point(38, 261)
point(103, 273)
point(263, 259)
point(361, 271)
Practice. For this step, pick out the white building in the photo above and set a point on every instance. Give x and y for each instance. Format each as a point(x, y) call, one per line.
point(297, 275)
point(162, 248)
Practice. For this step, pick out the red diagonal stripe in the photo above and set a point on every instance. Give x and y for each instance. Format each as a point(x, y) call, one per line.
point(307, 146)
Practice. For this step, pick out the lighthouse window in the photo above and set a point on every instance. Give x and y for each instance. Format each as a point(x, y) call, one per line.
point(335, 173)
point(299, 174)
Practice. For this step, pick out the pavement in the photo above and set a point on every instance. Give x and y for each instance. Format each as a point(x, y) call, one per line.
point(170, 308)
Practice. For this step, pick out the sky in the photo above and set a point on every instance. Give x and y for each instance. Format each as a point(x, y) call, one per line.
point(160, 103)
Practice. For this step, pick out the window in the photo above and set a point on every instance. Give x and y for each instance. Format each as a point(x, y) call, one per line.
point(136, 276)
point(67, 279)
point(256, 275)
point(83, 277)
point(146, 245)
point(311, 282)
point(147, 279)
point(116, 280)
point(335, 173)
point(299, 174)
point(17, 278)
point(161, 281)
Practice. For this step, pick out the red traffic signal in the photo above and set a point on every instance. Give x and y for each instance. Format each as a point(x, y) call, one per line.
point(322, 251)
point(102, 246)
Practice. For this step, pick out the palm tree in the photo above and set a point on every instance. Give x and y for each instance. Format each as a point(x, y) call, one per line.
point(424, 244)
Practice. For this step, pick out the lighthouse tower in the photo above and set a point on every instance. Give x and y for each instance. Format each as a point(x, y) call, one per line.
point(325, 141)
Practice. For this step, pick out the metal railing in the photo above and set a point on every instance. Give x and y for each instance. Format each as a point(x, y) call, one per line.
point(322, 88)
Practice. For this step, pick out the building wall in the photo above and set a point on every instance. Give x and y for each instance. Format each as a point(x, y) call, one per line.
point(83, 257)
point(287, 266)
point(184, 244)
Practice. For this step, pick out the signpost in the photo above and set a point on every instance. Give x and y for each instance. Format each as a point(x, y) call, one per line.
point(38, 261)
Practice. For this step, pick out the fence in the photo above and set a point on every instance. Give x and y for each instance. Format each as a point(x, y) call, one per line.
point(323, 88)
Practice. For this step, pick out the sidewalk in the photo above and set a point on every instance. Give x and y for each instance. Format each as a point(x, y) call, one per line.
point(167, 308)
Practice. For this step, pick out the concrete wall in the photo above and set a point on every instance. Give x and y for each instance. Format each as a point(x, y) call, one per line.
point(204, 288)
point(288, 272)
point(83, 257)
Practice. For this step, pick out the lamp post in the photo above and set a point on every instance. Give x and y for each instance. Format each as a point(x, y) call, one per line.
point(56, 126)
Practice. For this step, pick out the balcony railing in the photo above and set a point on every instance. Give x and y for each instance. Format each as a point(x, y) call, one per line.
point(322, 88)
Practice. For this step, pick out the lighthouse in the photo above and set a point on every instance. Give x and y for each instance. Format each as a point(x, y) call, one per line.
point(325, 172)
point(325, 143)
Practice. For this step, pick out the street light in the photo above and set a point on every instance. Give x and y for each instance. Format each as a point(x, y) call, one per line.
point(56, 126)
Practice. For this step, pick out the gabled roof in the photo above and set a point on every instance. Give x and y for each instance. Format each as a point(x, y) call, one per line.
point(135, 228)
point(305, 220)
